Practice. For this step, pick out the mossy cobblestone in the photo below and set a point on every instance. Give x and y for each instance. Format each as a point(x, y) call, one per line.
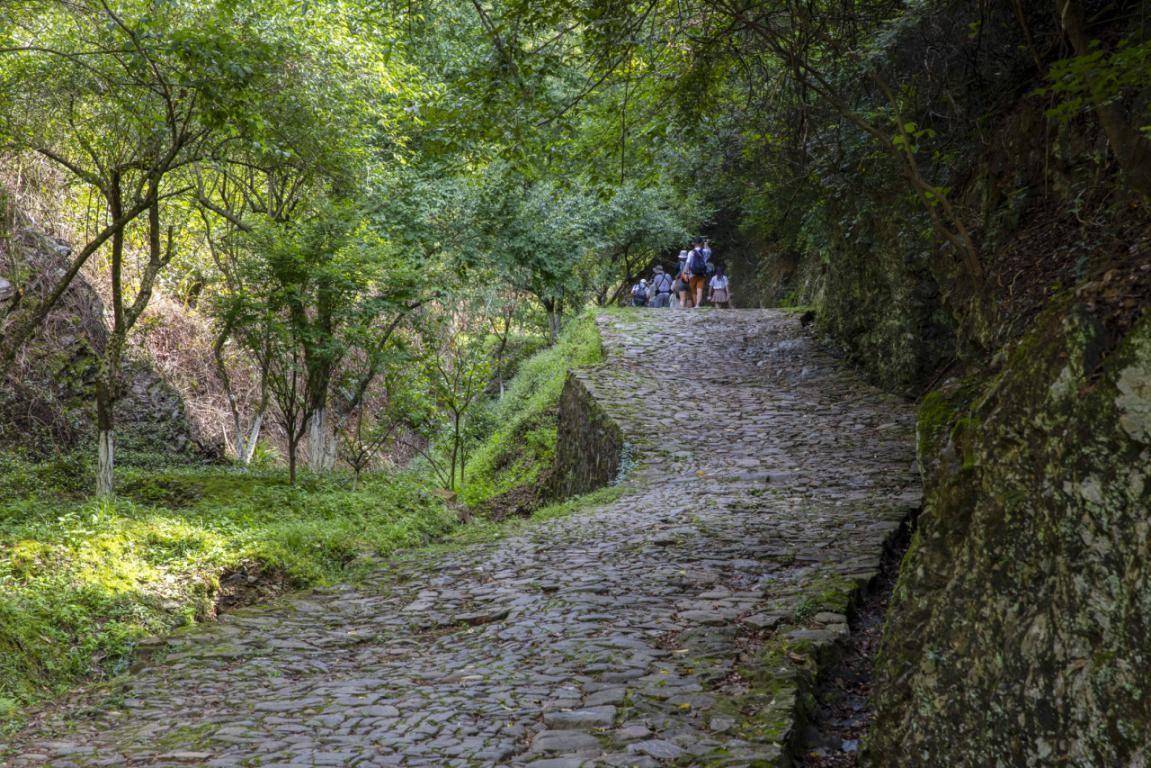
point(674, 625)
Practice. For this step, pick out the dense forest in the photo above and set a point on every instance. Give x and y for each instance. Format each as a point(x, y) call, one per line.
point(287, 286)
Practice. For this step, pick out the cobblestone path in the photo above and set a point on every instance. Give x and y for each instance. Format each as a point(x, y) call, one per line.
point(766, 479)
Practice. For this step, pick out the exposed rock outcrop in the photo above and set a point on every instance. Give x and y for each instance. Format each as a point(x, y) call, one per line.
point(1019, 632)
point(46, 404)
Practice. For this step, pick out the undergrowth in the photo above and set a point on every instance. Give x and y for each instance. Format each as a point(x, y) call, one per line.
point(82, 580)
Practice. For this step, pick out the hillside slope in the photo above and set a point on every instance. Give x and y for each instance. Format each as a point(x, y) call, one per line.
point(47, 405)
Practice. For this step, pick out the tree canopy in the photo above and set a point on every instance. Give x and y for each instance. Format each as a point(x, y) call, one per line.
point(320, 169)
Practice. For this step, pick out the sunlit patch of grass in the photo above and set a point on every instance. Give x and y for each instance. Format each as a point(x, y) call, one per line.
point(82, 581)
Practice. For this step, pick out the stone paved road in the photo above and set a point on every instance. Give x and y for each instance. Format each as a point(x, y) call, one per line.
point(765, 474)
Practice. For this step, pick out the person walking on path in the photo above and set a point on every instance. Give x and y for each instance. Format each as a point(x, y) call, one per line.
point(661, 285)
point(720, 293)
point(695, 275)
point(639, 294)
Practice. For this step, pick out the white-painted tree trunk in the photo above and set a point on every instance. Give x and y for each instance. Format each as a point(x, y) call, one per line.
point(321, 443)
point(246, 449)
point(106, 446)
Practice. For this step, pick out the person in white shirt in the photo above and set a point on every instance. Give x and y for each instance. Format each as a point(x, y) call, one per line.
point(719, 292)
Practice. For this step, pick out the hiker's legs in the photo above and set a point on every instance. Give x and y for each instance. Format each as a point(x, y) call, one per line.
point(696, 290)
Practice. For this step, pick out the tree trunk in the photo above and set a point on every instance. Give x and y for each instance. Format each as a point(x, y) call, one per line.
point(500, 357)
point(246, 446)
point(455, 451)
point(321, 443)
point(105, 469)
point(106, 443)
point(554, 310)
point(293, 445)
point(108, 375)
point(463, 461)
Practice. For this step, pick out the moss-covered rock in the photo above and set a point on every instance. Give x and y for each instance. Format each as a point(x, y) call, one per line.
point(1019, 631)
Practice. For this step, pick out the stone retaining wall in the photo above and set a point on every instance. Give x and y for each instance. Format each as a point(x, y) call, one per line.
point(589, 443)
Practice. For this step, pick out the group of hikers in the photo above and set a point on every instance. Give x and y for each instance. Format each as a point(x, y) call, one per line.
point(695, 275)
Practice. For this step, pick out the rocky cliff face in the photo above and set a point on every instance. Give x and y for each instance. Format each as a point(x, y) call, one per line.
point(1019, 633)
point(46, 404)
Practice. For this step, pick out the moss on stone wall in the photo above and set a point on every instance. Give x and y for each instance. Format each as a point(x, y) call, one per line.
point(1019, 631)
point(874, 289)
point(589, 445)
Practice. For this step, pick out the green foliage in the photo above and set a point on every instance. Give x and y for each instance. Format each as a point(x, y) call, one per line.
point(81, 582)
point(454, 368)
point(1101, 77)
point(519, 429)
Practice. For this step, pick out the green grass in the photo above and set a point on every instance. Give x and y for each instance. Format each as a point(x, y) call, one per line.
point(520, 428)
point(82, 580)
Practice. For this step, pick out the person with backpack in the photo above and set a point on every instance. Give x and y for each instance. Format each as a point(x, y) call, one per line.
point(720, 293)
point(705, 246)
point(639, 294)
point(695, 275)
point(661, 286)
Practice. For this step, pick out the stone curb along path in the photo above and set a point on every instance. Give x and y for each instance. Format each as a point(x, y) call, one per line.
point(677, 625)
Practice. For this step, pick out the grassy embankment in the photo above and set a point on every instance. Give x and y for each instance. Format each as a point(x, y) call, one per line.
point(519, 430)
point(83, 580)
